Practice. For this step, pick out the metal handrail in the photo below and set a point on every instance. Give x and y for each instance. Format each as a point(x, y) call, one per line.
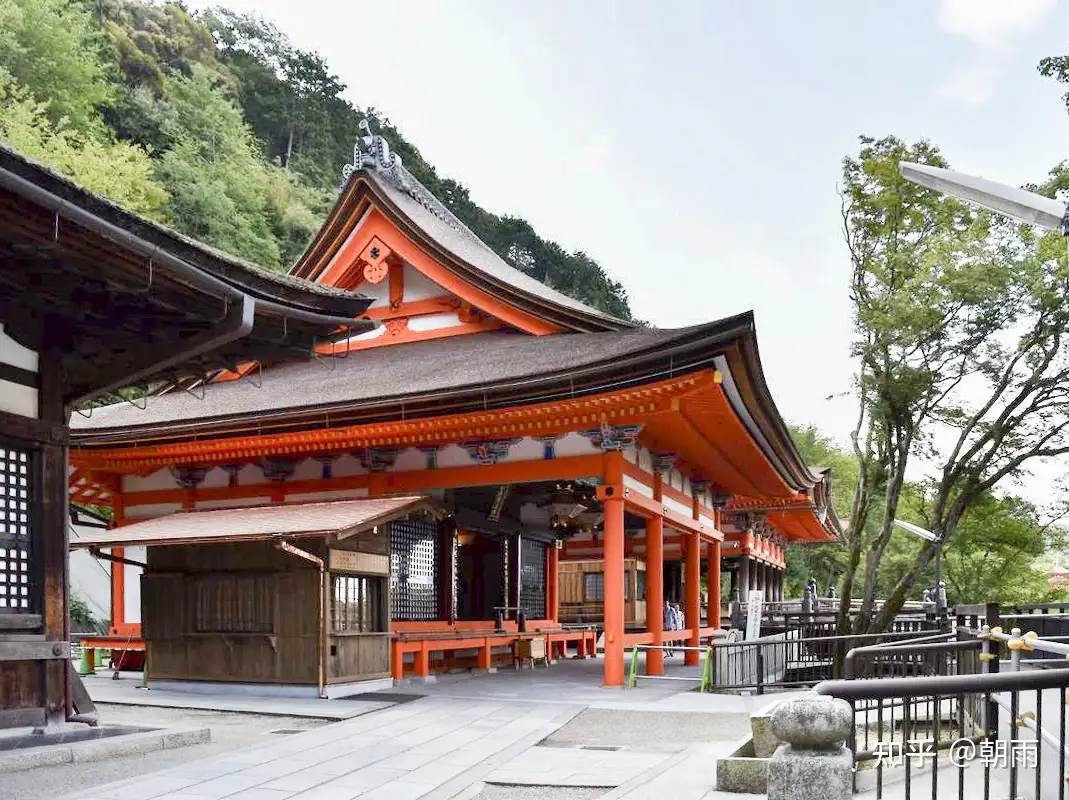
point(940, 642)
point(943, 685)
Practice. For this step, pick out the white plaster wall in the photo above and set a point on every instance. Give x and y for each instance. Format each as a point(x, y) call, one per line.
point(322, 497)
point(707, 521)
point(18, 399)
point(152, 511)
point(676, 506)
point(432, 322)
point(307, 469)
point(90, 578)
point(337, 255)
point(374, 333)
point(234, 502)
point(638, 486)
point(346, 465)
point(454, 456)
point(132, 584)
point(575, 444)
point(409, 460)
point(158, 480)
point(13, 353)
point(379, 292)
point(420, 287)
point(527, 449)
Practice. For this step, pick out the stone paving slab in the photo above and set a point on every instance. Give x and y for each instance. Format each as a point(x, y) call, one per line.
point(556, 766)
point(426, 748)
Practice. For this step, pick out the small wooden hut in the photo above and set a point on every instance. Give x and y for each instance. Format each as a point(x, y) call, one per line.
point(294, 598)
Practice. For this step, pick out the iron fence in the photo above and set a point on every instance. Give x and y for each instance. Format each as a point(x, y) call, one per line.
point(954, 724)
point(792, 659)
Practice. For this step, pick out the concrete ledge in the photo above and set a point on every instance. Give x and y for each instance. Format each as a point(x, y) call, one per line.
point(100, 749)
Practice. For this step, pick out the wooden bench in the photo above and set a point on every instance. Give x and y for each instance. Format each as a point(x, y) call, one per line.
point(423, 643)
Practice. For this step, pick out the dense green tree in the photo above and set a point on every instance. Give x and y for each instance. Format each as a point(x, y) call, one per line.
point(255, 167)
point(824, 562)
point(120, 171)
point(53, 48)
point(960, 319)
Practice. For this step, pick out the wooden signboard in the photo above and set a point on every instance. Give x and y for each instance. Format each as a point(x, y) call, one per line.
point(366, 563)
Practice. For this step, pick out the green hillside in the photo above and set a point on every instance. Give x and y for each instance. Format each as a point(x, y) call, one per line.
point(217, 125)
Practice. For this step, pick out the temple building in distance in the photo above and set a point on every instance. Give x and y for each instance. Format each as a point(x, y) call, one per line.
point(417, 496)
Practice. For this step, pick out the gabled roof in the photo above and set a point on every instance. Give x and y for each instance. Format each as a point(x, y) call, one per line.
point(377, 176)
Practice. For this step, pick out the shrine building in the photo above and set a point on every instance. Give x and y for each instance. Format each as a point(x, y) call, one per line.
point(421, 495)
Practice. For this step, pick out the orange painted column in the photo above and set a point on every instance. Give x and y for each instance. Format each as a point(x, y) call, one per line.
point(655, 593)
point(614, 570)
point(712, 583)
point(692, 597)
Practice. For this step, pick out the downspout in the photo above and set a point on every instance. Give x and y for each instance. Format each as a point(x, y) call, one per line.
point(321, 623)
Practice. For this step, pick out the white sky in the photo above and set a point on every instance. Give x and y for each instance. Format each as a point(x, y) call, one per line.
point(693, 148)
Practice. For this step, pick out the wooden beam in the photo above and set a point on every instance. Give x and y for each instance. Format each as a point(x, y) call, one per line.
point(28, 429)
point(384, 483)
point(34, 651)
point(20, 622)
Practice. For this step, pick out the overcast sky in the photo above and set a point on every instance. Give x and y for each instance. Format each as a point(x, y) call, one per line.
point(693, 148)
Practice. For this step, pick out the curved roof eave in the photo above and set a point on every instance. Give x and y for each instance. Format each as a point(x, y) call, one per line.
point(428, 223)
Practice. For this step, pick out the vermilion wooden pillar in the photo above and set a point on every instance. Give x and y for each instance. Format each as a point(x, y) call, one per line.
point(712, 583)
point(614, 570)
point(692, 589)
point(655, 593)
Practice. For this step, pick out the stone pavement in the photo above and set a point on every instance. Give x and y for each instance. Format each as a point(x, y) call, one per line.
point(556, 766)
point(125, 691)
point(433, 748)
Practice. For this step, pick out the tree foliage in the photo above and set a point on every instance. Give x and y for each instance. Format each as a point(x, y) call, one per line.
point(960, 320)
point(119, 171)
point(53, 48)
point(246, 133)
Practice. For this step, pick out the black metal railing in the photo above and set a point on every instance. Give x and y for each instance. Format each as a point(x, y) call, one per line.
point(791, 659)
point(963, 734)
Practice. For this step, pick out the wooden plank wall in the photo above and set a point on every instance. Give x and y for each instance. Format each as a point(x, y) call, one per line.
point(571, 584)
point(177, 650)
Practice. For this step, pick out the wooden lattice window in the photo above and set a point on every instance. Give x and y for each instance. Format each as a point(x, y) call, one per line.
point(594, 586)
point(235, 603)
point(16, 592)
point(533, 578)
point(413, 570)
point(357, 605)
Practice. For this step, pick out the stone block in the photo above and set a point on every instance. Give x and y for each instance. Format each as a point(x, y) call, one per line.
point(742, 774)
point(811, 774)
point(765, 741)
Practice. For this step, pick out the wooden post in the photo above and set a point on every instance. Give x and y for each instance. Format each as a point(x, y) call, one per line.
point(51, 537)
point(692, 597)
point(655, 592)
point(614, 570)
point(446, 579)
point(552, 583)
point(744, 578)
point(712, 582)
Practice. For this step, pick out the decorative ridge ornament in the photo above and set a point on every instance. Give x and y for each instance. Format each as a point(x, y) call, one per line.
point(372, 151)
